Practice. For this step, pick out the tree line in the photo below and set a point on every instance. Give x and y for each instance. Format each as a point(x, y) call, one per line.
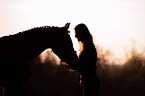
point(49, 79)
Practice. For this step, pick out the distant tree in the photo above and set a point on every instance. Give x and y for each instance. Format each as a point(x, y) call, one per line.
point(134, 62)
point(103, 55)
point(103, 61)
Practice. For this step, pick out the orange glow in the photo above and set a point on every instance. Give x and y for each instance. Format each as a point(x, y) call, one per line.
point(81, 46)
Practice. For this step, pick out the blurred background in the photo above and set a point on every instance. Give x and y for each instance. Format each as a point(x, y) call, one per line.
point(118, 31)
point(49, 78)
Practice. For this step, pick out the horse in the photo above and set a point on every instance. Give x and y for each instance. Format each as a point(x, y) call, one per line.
point(18, 50)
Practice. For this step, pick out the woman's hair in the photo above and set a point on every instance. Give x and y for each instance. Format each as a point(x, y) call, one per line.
point(84, 31)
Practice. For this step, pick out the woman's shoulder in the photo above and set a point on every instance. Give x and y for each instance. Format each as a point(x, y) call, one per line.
point(90, 47)
point(89, 50)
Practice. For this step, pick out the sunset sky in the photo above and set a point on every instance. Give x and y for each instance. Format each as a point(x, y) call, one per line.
point(114, 24)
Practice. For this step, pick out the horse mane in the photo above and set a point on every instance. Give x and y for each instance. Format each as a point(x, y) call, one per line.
point(36, 29)
point(29, 33)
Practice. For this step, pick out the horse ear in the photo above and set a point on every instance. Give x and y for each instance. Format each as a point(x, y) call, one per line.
point(67, 25)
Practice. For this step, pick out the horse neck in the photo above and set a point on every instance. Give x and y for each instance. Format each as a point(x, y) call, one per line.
point(26, 46)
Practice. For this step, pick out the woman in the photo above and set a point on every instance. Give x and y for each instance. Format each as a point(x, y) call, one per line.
point(87, 60)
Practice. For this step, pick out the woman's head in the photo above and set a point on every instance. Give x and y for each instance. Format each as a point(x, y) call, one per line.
point(82, 33)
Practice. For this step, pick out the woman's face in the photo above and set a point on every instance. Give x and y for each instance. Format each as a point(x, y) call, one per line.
point(78, 35)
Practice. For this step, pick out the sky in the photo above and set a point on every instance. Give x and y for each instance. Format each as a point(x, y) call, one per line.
point(114, 24)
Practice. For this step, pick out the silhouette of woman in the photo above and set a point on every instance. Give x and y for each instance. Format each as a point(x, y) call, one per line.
point(87, 59)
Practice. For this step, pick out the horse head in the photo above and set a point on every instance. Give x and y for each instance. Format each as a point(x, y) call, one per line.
point(64, 48)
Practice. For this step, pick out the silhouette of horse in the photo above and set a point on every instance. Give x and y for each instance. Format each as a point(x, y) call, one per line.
point(17, 51)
